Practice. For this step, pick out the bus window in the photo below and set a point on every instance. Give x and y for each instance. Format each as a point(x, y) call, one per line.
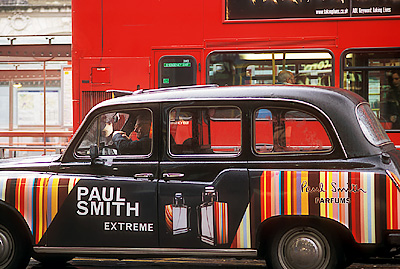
point(177, 71)
point(251, 68)
point(205, 130)
point(374, 76)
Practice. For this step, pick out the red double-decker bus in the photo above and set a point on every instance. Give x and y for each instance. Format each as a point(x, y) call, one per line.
point(353, 44)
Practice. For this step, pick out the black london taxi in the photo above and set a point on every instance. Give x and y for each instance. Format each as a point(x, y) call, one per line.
point(303, 177)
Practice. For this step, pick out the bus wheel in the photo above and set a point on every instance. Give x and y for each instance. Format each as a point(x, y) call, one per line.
point(301, 247)
point(14, 249)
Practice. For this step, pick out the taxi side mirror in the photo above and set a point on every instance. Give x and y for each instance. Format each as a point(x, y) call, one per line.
point(93, 152)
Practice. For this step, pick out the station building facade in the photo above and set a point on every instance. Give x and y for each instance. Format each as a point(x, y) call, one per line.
point(35, 76)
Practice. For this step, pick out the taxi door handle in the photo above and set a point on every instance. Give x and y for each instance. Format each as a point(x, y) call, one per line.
point(173, 175)
point(144, 175)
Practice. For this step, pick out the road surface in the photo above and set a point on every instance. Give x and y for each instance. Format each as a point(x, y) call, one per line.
point(192, 263)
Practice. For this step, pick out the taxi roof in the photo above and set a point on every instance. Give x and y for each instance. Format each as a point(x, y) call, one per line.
point(311, 94)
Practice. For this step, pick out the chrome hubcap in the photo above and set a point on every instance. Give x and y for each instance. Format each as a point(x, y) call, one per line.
point(300, 249)
point(5, 246)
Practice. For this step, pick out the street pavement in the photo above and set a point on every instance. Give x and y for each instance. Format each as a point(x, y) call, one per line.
point(192, 263)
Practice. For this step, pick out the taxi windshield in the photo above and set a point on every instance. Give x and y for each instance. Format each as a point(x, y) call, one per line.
point(371, 126)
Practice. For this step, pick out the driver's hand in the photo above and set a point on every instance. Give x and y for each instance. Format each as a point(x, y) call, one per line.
point(120, 132)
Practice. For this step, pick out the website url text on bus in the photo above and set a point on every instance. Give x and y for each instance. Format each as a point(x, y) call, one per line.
point(355, 10)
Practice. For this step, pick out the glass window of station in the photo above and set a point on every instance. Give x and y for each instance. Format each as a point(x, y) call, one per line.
point(24, 85)
point(375, 75)
point(252, 68)
point(34, 93)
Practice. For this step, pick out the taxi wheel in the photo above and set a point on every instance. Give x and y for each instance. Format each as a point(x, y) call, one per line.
point(14, 248)
point(300, 248)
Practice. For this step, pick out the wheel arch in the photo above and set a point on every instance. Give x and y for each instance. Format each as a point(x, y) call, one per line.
point(10, 214)
point(326, 226)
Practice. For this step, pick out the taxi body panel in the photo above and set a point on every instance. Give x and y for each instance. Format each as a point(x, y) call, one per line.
point(232, 171)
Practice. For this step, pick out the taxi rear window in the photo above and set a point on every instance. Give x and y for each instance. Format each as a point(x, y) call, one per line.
point(371, 126)
point(278, 130)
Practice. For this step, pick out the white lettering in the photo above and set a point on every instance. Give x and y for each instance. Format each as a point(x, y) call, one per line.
point(142, 227)
point(108, 209)
point(82, 208)
point(104, 192)
point(377, 10)
point(82, 191)
point(128, 226)
point(118, 208)
point(104, 201)
point(364, 10)
point(94, 194)
point(97, 210)
point(118, 196)
point(135, 209)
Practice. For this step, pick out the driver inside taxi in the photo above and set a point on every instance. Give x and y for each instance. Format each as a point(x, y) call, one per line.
point(142, 145)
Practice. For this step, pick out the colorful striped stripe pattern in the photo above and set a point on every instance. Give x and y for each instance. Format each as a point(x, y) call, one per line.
point(272, 187)
point(221, 222)
point(347, 197)
point(363, 206)
point(37, 199)
point(393, 202)
point(242, 238)
point(168, 217)
point(337, 211)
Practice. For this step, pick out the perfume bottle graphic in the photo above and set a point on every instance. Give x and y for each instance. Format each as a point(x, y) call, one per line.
point(177, 215)
point(213, 218)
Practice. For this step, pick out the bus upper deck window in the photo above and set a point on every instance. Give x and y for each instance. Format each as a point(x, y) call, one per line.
point(255, 67)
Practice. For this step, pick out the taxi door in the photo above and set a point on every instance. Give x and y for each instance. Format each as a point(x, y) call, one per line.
point(113, 201)
point(204, 185)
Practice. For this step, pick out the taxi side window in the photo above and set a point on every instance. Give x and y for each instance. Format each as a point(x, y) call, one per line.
point(205, 130)
point(124, 132)
point(280, 130)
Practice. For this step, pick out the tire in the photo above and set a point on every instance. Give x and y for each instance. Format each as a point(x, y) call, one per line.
point(302, 247)
point(14, 247)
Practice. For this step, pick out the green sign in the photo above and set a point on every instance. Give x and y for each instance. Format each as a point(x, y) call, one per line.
point(177, 64)
point(165, 81)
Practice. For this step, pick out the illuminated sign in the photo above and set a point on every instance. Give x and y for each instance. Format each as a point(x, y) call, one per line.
point(177, 64)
